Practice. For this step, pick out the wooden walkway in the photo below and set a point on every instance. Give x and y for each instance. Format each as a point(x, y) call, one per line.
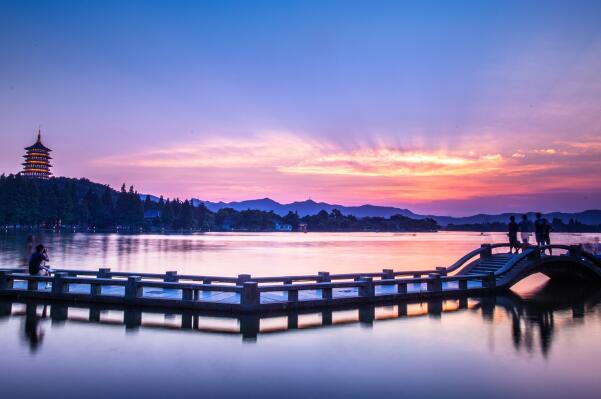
point(487, 268)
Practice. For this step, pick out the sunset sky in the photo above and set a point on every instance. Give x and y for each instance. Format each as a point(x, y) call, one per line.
point(443, 107)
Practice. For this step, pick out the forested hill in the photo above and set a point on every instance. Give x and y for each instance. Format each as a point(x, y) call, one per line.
point(64, 202)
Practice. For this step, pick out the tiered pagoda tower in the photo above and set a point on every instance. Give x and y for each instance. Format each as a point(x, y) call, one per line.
point(37, 160)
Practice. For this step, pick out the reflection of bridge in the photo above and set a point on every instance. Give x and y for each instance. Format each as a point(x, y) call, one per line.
point(480, 271)
point(526, 315)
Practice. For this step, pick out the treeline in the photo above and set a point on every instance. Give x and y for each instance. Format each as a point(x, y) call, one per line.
point(63, 202)
point(558, 225)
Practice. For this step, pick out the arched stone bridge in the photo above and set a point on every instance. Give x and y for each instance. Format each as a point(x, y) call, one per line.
point(574, 264)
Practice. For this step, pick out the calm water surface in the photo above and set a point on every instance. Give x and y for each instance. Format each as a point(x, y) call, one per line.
point(540, 341)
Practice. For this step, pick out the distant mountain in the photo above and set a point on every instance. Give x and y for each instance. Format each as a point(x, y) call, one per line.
point(310, 207)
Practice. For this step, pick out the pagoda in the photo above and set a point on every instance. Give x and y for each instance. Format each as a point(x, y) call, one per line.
point(37, 160)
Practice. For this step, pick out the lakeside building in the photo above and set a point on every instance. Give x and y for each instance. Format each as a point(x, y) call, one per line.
point(37, 160)
point(283, 227)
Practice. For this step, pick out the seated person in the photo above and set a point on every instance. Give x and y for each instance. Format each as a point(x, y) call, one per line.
point(36, 261)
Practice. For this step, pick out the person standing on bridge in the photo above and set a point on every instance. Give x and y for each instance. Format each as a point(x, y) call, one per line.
point(524, 231)
point(539, 229)
point(547, 234)
point(513, 235)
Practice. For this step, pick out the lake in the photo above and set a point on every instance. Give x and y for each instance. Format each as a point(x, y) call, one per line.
point(540, 340)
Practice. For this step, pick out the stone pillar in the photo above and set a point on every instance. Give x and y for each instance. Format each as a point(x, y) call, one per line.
point(326, 293)
point(6, 308)
point(32, 285)
point(402, 309)
point(435, 307)
point(104, 272)
point(490, 281)
point(462, 284)
point(326, 318)
point(59, 313)
point(387, 274)
point(59, 286)
point(132, 318)
point(187, 294)
point(6, 281)
point(250, 296)
point(242, 278)
point(367, 314)
point(575, 251)
point(401, 288)
point(171, 277)
point(292, 320)
point(94, 314)
point(367, 289)
point(250, 326)
point(434, 284)
point(133, 289)
point(323, 277)
point(95, 289)
point(187, 321)
point(487, 253)
point(293, 296)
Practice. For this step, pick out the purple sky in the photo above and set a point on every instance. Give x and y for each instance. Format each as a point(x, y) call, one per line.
point(442, 107)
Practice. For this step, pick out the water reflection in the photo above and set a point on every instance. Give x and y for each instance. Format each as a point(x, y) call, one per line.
point(532, 316)
point(258, 254)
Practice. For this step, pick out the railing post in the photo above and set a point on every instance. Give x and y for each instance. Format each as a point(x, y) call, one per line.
point(95, 289)
point(250, 296)
point(171, 277)
point(59, 286)
point(104, 272)
point(463, 284)
point(293, 296)
point(575, 251)
point(401, 288)
point(187, 294)
point(242, 278)
point(133, 289)
point(32, 285)
point(387, 274)
point(326, 293)
point(487, 253)
point(6, 281)
point(323, 277)
point(489, 281)
point(434, 284)
point(366, 289)
point(441, 270)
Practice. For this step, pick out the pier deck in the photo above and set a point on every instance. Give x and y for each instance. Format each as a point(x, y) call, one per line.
point(481, 270)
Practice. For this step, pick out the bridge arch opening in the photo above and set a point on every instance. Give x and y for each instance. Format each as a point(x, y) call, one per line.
point(530, 283)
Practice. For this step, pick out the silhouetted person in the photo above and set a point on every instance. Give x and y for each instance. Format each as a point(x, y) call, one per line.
point(547, 234)
point(524, 231)
point(539, 229)
point(33, 333)
point(36, 261)
point(513, 235)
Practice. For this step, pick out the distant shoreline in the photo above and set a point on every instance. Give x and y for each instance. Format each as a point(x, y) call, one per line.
point(79, 230)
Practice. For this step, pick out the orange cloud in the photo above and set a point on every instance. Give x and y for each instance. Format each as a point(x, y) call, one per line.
point(289, 167)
